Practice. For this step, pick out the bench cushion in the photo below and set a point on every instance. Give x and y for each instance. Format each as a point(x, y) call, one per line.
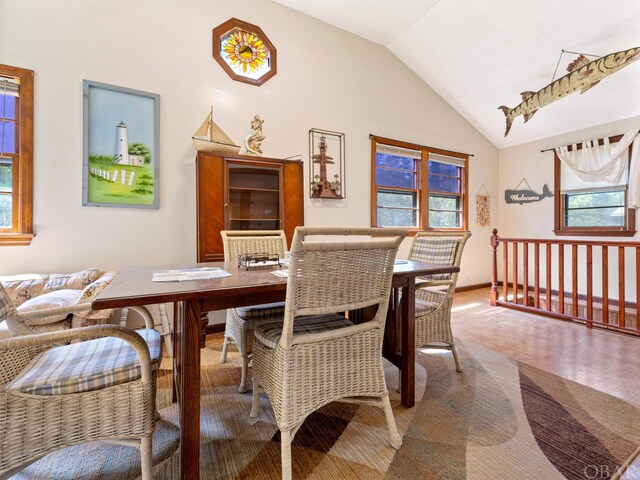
point(86, 366)
point(25, 287)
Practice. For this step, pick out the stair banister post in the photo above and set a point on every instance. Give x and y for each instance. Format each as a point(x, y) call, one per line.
point(495, 241)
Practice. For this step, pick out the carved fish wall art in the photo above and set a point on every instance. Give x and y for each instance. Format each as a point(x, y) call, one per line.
point(583, 74)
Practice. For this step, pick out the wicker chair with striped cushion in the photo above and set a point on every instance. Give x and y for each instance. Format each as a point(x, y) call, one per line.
point(434, 294)
point(318, 355)
point(54, 394)
point(241, 321)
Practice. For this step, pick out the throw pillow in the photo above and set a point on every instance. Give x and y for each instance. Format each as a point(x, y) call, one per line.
point(55, 299)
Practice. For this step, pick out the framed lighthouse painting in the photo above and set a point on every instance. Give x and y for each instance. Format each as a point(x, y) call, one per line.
point(326, 172)
point(120, 146)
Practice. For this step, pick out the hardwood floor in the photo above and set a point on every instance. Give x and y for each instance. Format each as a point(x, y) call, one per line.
point(602, 360)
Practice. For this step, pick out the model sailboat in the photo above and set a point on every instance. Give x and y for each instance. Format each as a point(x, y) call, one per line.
point(211, 138)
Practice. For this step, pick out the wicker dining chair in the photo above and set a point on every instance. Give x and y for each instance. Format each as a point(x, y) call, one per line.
point(318, 356)
point(55, 394)
point(242, 320)
point(434, 293)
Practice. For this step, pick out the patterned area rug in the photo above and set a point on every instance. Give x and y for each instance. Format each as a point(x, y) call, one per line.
point(499, 419)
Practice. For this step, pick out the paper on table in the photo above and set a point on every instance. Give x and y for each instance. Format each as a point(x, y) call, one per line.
point(186, 274)
point(280, 273)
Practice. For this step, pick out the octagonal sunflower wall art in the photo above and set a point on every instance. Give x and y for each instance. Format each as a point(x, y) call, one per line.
point(244, 52)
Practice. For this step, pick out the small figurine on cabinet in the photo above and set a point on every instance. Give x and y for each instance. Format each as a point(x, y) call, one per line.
point(321, 187)
point(254, 138)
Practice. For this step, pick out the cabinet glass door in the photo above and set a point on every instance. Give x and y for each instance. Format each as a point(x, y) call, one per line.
point(253, 197)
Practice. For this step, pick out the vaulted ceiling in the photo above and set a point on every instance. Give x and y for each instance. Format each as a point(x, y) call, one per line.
point(480, 54)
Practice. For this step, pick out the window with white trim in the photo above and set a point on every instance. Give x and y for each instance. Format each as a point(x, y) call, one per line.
point(592, 208)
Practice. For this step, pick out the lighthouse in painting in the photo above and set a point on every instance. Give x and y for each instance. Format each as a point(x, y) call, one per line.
point(122, 144)
point(321, 187)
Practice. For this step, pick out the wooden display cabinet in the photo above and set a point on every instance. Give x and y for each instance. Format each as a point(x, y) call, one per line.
point(241, 192)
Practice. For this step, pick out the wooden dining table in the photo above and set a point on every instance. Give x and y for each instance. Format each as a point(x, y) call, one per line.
point(194, 299)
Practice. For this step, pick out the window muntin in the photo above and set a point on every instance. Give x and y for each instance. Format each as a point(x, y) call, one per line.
point(397, 208)
point(445, 211)
point(9, 94)
point(446, 187)
point(6, 192)
point(396, 170)
point(396, 175)
point(595, 209)
point(16, 158)
point(444, 177)
point(8, 102)
point(403, 197)
point(586, 208)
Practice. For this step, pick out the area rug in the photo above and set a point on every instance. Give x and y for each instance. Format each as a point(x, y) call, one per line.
point(499, 419)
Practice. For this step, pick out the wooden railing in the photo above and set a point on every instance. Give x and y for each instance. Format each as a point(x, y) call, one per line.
point(528, 279)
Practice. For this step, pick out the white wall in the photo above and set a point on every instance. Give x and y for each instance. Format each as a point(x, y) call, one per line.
point(535, 220)
point(326, 78)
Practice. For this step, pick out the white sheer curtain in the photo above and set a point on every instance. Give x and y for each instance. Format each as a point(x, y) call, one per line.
point(634, 175)
point(603, 166)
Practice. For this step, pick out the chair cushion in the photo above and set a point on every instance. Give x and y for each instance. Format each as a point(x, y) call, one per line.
point(269, 333)
point(424, 307)
point(441, 251)
point(261, 312)
point(54, 299)
point(85, 366)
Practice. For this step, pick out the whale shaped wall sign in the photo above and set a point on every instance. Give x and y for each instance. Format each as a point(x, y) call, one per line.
point(526, 196)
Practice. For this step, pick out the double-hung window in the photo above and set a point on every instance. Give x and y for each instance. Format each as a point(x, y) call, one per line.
point(594, 207)
point(16, 155)
point(417, 187)
point(446, 180)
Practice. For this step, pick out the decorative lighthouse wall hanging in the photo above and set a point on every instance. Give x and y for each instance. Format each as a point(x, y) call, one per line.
point(120, 146)
point(326, 172)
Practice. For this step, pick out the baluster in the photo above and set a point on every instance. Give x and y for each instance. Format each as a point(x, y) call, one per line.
point(560, 278)
point(505, 268)
point(568, 296)
point(621, 300)
point(589, 286)
point(574, 280)
point(605, 284)
point(525, 273)
point(515, 272)
point(548, 277)
point(494, 294)
point(536, 275)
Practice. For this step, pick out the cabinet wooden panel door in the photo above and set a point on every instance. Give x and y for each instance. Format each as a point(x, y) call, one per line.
point(245, 193)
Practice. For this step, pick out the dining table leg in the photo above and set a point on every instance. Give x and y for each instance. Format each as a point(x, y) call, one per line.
point(187, 371)
point(408, 347)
